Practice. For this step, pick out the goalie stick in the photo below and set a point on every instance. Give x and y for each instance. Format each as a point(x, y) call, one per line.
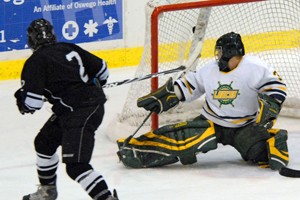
point(197, 42)
point(288, 172)
point(198, 37)
point(127, 140)
point(126, 81)
point(195, 51)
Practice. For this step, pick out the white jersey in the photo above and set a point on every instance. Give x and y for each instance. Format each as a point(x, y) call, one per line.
point(231, 97)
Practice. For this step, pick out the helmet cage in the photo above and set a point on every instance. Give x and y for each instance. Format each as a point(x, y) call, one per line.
point(218, 53)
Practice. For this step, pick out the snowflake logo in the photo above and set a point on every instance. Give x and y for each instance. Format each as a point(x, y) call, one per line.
point(91, 28)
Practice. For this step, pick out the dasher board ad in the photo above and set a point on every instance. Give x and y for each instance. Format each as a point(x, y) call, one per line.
point(74, 21)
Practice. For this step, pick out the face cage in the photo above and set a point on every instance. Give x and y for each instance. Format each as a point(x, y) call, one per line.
point(218, 53)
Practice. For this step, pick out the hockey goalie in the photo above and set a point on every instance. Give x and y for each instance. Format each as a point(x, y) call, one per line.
point(243, 97)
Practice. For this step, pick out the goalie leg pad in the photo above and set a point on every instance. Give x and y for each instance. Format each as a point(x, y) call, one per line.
point(182, 140)
point(139, 158)
point(278, 149)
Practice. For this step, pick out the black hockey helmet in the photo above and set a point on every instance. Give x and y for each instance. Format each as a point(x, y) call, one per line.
point(227, 46)
point(40, 32)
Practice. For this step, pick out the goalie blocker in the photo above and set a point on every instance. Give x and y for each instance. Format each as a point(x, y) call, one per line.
point(161, 99)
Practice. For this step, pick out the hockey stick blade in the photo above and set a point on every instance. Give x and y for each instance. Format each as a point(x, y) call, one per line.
point(288, 172)
point(126, 81)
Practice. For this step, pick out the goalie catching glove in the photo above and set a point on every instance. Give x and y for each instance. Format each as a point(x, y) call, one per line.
point(269, 109)
point(161, 99)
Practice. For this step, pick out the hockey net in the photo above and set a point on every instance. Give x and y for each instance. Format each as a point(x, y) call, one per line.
point(178, 31)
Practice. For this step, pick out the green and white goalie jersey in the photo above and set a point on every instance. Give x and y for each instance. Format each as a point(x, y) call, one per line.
point(231, 97)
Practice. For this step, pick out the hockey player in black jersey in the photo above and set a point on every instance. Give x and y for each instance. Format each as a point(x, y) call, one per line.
point(64, 75)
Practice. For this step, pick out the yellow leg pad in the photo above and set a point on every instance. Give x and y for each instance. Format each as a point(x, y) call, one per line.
point(182, 140)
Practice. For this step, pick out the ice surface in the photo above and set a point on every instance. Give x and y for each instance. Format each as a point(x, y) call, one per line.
point(218, 175)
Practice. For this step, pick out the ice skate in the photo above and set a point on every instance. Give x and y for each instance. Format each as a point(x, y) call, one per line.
point(44, 192)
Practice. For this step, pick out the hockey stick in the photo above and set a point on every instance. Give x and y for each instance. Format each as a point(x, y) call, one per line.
point(288, 172)
point(127, 140)
point(126, 81)
point(198, 40)
point(195, 51)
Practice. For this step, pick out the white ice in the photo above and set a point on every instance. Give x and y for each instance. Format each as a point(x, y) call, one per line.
point(218, 175)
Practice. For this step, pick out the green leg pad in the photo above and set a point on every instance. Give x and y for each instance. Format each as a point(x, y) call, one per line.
point(137, 158)
point(278, 150)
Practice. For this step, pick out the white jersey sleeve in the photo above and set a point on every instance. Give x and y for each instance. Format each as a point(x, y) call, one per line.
point(270, 82)
point(192, 85)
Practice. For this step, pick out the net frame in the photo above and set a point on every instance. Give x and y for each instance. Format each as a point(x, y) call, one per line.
point(157, 64)
point(155, 32)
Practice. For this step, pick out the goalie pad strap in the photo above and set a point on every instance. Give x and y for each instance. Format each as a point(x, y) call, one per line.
point(138, 158)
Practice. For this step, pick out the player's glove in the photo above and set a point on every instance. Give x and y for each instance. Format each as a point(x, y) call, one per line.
point(269, 109)
point(99, 83)
point(161, 99)
point(20, 103)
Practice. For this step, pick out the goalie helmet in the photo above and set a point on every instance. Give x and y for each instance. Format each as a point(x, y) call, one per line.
point(40, 32)
point(227, 46)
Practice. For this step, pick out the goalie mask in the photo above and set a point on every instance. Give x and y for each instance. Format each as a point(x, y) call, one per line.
point(227, 46)
point(40, 32)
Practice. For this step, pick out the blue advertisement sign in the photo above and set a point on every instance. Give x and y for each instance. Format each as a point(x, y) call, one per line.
point(75, 21)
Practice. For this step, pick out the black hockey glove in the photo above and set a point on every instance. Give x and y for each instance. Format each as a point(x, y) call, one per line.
point(269, 109)
point(20, 103)
point(161, 99)
point(99, 83)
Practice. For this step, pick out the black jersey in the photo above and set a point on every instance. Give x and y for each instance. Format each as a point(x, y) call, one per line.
point(62, 74)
